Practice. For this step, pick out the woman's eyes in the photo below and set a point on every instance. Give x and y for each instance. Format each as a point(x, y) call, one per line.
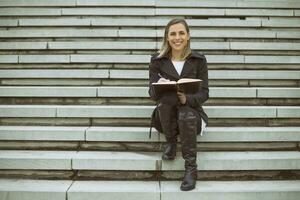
point(180, 33)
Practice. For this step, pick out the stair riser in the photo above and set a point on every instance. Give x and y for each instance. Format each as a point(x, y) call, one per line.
point(142, 122)
point(147, 146)
point(152, 175)
point(144, 66)
point(145, 101)
point(126, 82)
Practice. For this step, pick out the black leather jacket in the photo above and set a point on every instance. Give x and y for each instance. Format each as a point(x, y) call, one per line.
point(195, 66)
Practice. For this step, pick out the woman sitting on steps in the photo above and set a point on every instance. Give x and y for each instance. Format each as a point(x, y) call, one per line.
point(179, 113)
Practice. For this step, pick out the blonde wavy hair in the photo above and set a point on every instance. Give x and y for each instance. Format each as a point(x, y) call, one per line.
point(165, 49)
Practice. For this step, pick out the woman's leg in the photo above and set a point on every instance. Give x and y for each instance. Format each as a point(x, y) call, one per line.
point(168, 119)
point(189, 124)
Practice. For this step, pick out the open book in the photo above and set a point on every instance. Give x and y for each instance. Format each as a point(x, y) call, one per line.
point(185, 85)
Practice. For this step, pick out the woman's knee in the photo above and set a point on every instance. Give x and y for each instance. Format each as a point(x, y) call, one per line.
point(186, 113)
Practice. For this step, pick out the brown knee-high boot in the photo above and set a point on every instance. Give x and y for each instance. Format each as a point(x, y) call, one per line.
point(187, 123)
point(168, 119)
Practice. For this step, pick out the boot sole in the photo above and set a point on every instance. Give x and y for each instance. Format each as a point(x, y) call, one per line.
point(187, 188)
point(168, 158)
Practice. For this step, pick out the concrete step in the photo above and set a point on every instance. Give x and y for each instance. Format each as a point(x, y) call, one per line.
point(276, 22)
point(228, 4)
point(146, 161)
point(113, 11)
point(8, 22)
point(43, 133)
point(263, 46)
point(144, 74)
point(211, 134)
point(138, 92)
point(50, 160)
point(137, 22)
point(128, 111)
point(148, 11)
point(157, 3)
point(32, 3)
point(221, 12)
point(148, 22)
point(56, 73)
point(117, 45)
point(142, 33)
point(227, 81)
point(96, 11)
point(140, 134)
point(212, 74)
point(96, 101)
point(206, 3)
point(109, 138)
point(246, 190)
point(18, 189)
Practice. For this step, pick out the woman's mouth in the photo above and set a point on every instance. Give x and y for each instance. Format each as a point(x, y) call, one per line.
point(177, 43)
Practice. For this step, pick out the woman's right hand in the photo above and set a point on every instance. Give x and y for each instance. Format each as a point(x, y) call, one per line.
point(163, 80)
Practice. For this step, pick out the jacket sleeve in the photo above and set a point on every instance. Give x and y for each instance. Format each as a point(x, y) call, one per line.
point(153, 77)
point(197, 99)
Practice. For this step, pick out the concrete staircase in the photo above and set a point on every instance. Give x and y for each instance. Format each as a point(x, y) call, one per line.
point(74, 107)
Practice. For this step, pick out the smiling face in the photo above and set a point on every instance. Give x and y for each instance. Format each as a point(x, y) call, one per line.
point(178, 37)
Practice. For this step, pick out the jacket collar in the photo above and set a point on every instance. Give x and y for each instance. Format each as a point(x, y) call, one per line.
point(170, 69)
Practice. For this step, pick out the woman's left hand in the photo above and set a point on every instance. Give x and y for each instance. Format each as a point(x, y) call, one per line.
point(181, 97)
